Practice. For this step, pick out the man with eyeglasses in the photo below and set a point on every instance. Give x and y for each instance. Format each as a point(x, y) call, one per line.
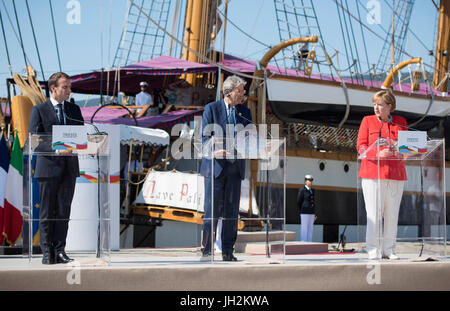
point(228, 170)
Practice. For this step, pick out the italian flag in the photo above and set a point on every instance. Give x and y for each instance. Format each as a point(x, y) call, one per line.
point(12, 222)
point(4, 165)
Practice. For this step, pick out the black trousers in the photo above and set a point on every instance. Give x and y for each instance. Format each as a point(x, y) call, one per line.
point(227, 194)
point(56, 196)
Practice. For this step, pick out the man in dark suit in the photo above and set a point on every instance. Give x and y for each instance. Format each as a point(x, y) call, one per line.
point(306, 204)
point(56, 175)
point(219, 120)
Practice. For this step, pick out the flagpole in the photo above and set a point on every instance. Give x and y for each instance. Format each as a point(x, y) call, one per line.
point(98, 207)
point(30, 201)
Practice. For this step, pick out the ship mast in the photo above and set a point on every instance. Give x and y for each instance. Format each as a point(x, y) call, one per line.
point(440, 80)
point(201, 28)
point(393, 36)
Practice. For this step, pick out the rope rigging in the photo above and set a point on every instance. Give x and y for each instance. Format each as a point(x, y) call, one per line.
point(298, 21)
point(54, 34)
point(354, 42)
point(242, 31)
point(6, 44)
point(431, 98)
point(343, 36)
point(254, 23)
point(139, 40)
point(200, 56)
point(409, 29)
point(352, 53)
point(364, 44)
point(20, 33)
point(35, 41)
point(379, 37)
point(344, 88)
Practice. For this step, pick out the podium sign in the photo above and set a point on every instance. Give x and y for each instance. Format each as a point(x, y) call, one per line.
point(401, 199)
point(412, 141)
point(69, 137)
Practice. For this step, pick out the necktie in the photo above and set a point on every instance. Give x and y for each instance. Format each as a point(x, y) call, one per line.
point(232, 120)
point(231, 117)
point(60, 114)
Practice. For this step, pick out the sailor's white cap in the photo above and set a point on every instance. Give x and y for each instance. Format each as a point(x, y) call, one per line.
point(309, 177)
point(143, 83)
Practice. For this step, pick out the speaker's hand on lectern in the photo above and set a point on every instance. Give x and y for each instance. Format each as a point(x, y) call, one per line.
point(65, 152)
point(222, 153)
point(385, 153)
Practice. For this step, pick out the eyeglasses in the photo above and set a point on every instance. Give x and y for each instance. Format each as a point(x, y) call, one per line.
point(239, 91)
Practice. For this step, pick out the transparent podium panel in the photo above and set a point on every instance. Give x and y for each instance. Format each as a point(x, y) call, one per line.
point(401, 201)
point(245, 199)
point(172, 201)
point(63, 212)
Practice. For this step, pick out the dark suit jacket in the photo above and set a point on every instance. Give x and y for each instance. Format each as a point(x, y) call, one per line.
point(216, 113)
point(42, 119)
point(305, 201)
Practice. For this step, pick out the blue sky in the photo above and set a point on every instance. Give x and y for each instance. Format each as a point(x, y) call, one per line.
point(91, 44)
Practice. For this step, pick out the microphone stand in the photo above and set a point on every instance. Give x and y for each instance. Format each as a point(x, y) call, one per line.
point(423, 211)
point(267, 197)
point(97, 252)
point(97, 132)
point(421, 169)
point(268, 224)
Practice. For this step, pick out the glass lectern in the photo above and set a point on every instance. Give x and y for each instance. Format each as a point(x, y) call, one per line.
point(259, 214)
point(401, 200)
point(88, 237)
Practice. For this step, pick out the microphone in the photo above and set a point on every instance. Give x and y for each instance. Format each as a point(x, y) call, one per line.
point(405, 126)
point(382, 121)
point(82, 122)
point(410, 128)
point(36, 129)
point(401, 125)
point(240, 115)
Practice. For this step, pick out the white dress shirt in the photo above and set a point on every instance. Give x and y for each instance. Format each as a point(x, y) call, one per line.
point(55, 106)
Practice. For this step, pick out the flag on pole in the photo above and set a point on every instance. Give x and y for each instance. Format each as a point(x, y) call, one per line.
point(4, 164)
point(12, 223)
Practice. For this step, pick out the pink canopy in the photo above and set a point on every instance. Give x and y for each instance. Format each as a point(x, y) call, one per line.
point(170, 67)
point(149, 71)
point(247, 66)
point(120, 116)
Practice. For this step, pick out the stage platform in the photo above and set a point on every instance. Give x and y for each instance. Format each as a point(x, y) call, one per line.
point(181, 270)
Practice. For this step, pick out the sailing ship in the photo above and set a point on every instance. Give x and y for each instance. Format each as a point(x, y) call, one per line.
point(298, 84)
